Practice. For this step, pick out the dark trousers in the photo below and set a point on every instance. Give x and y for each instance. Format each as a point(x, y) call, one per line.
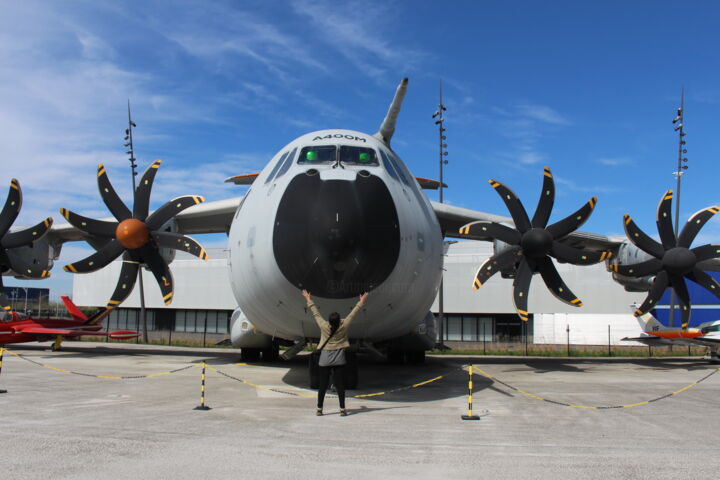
point(339, 380)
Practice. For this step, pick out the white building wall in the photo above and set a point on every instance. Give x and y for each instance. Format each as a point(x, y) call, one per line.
point(202, 285)
point(604, 301)
point(585, 329)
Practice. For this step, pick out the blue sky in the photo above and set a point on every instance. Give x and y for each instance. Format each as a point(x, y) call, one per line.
point(588, 89)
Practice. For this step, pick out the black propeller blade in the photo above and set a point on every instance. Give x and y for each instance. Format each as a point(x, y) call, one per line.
point(532, 243)
point(674, 260)
point(19, 238)
point(135, 236)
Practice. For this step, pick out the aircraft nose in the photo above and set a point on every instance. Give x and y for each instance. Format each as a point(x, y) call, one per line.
point(336, 238)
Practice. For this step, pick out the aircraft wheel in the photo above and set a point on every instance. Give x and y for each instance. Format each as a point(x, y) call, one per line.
point(250, 354)
point(396, 357)
point(270, 354)
point(415, 357)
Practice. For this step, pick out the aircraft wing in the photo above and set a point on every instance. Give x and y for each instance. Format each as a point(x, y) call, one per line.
point(653, 341)
point(451, 218)
point(37, 330)
point(209, 217)
point(69, 332)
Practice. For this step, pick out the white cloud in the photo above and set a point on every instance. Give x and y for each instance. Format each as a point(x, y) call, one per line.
point(614, 161)
point(359, 37)
point(576, 187)
point(542, 113)
point(530, 158)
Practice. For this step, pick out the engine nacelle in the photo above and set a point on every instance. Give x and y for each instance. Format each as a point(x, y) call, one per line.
point(168, 254)
point(40, 255)
point(629, 254)
point(243, 333)
point(499, 247)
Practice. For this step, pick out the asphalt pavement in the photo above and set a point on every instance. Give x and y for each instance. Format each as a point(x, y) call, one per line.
point(67, 415)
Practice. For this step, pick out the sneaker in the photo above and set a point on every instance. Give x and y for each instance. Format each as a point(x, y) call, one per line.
point(343, 412)
point(319, 412)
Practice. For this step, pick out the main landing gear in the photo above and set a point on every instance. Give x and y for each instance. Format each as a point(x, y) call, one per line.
point(714, 356)
point(57, 344)
point(398, 356)
point(268, 354)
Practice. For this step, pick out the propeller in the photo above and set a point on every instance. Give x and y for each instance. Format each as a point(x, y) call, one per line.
point(20, 238)
point(673, 260)
point(532, 243)
point(135, 236)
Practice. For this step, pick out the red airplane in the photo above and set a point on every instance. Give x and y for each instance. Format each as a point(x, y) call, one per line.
point(20, 330)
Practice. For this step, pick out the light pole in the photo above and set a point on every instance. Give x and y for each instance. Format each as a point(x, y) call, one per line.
point(133, 165)
point(440, 119)
point(678, 121)
point(26, 296)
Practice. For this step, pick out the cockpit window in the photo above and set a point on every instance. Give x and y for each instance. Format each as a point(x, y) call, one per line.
point(276, 168)
point(286, 164)
point(318, 154)
point(357, 155)
point(388, 166)
point(398, 169)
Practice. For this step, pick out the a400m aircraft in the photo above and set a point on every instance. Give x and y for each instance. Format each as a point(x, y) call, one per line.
point(337, 212)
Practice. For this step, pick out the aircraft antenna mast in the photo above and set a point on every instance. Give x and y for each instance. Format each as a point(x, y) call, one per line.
point(131, 151)
point(678, 121)
point(439, 121)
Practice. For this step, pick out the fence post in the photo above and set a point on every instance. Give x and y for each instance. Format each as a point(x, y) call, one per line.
point(202, 405)
point(2, 352)
point(484, 351)
point(470, 415)
point(567, 329)
point(609, 348)
point(205, 329)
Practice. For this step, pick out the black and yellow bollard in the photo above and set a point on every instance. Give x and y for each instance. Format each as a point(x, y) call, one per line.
point(470, 415)
point(2, 352)
point(202, 405)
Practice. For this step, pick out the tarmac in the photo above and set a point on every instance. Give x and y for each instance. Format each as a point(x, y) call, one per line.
point(534, 421)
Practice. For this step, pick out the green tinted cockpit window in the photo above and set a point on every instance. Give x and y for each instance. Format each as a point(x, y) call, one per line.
point(317, 155)
point(357, 155)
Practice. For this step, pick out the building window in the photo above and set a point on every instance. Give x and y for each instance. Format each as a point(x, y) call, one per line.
point(485, 329)
point(180, 321)
point(469, 328)
point(508, 328)
point(453, 331)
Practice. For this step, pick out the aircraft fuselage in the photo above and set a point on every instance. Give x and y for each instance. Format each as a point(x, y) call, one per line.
point(335, 212)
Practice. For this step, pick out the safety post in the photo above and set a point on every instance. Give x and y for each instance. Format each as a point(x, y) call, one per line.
point(202, 405)
point(2, 352)
point(470, 415)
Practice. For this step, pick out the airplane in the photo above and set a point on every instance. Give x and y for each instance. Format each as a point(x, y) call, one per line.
point(706, 334)
point(21, 330)
point(337, 212)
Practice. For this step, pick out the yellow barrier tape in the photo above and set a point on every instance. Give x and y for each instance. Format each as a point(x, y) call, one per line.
point(314, 395)
point(593, 407)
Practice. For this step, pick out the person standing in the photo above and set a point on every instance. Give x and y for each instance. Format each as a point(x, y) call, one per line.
point(332, 345)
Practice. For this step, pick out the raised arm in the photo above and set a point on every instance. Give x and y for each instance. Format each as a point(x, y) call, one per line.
point(313, 309)
point(356, 309)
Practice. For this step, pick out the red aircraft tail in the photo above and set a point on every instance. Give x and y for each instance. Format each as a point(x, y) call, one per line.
point(73, 310)
point(76, 314)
